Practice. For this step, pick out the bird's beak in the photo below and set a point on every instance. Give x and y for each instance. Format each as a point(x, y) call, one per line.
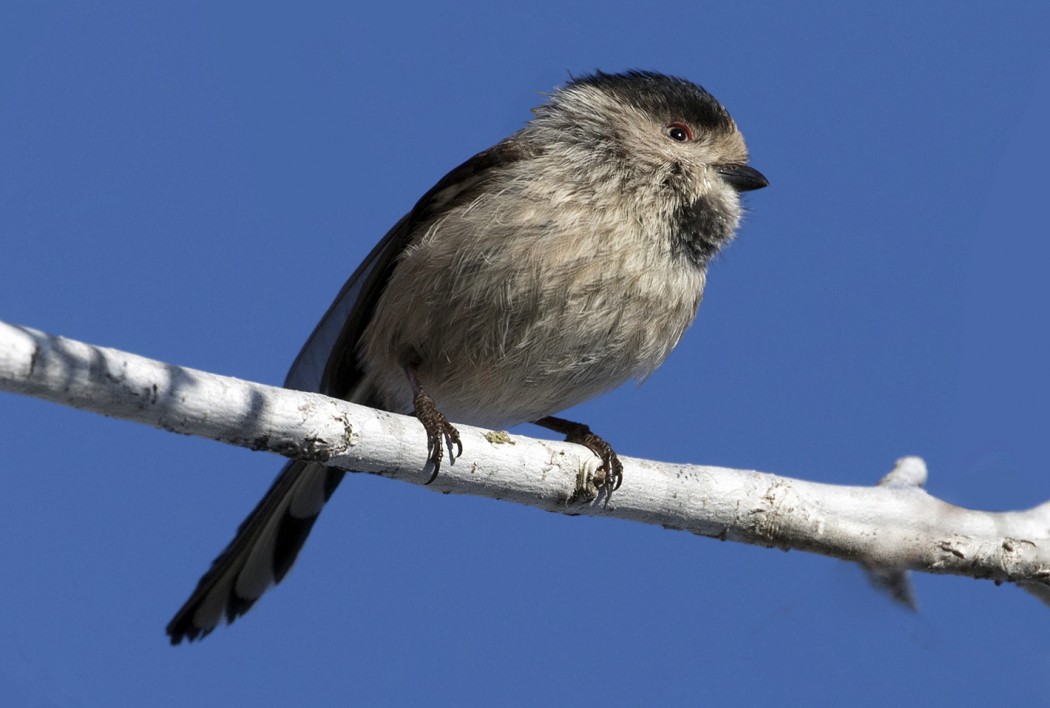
point(743, 178)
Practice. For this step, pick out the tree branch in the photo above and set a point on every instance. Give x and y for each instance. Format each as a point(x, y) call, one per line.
point(889, 528)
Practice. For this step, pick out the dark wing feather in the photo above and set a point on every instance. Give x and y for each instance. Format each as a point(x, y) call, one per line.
point(269, 540)
point(328, 361)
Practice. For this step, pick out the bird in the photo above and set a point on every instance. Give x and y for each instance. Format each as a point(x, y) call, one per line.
point(561, 262)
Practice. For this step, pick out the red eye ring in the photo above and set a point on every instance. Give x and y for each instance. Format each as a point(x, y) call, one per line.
point(679, 132)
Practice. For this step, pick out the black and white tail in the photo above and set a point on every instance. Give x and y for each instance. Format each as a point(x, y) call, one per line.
point(262, 552)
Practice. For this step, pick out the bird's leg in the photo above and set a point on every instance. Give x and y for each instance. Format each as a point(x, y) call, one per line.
point(439, 430)
point(611, 470)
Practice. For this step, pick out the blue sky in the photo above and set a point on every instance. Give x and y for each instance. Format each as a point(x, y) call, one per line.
point(194, 181)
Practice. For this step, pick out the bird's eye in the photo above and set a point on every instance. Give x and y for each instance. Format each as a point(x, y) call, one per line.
point(679, 132)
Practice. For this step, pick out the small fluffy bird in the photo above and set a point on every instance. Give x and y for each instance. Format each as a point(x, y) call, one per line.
point(550, 268)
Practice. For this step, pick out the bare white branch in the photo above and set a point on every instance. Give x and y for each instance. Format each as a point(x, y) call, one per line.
point(889, 528)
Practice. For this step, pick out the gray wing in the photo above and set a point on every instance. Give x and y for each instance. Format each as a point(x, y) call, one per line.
point(268, 541)
point(337, 334)
point(328, 361)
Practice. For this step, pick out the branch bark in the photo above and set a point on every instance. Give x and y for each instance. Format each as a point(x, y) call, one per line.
point(888, 528)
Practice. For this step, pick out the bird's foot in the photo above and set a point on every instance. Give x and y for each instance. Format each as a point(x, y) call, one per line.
point(610, 472)
point(440, 432)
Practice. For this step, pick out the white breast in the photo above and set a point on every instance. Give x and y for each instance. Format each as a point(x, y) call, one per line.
point(510, 312)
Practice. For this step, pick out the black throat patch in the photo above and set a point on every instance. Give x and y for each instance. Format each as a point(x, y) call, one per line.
point(700, 229)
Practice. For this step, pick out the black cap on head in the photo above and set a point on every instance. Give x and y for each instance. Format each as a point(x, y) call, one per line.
point(667, 96)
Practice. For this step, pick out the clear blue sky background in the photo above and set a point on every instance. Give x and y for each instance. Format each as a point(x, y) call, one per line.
point(194, 181)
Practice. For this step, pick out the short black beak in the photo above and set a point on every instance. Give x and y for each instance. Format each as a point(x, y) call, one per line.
point(743, 178)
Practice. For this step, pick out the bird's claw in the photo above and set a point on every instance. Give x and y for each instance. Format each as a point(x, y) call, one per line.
point(440, 432)
point(610, 473)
